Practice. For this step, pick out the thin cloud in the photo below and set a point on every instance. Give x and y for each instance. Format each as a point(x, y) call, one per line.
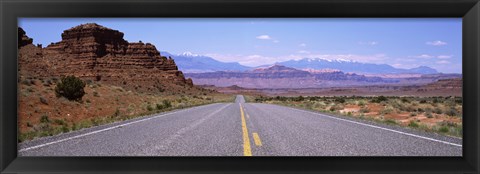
point(264, 37)
point(371, 43)
point(424, 56)
point(436, 43)
point(443, 62)
point(444, 56)
point(302, 45)
point(275, 41)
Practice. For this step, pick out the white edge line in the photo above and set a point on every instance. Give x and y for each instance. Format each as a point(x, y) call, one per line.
point(101, 130)
point(391, 130)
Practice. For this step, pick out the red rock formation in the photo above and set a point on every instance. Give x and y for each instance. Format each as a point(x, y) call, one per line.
point(94, 52)
point(23, 39)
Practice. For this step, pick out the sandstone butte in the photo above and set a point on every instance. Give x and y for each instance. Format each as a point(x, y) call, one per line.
point(93, 52)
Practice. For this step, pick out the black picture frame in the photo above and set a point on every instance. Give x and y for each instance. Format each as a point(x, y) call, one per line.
point(10, 10)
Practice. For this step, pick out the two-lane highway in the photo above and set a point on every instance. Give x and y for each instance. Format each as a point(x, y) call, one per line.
point(243, 129)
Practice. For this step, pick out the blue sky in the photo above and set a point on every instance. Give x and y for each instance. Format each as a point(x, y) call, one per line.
point(402, 43)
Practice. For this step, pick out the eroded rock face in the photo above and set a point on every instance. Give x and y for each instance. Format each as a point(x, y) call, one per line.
point(22, 38)
point(91, 51)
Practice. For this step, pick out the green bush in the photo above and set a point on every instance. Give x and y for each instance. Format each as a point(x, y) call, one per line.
point(379, 99)
point(444, 129)
point(149, 108)
point(159, 106)
point(70, 87)
point(413, 124)
point(437, 110)
point(390, 121)
point(167, 104)
point(44, 119)
point(429, 115)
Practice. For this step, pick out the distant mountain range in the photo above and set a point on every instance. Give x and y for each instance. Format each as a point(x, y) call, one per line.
point(194, 63)
point(353, 66)
point(191, 63)
point(279, 76)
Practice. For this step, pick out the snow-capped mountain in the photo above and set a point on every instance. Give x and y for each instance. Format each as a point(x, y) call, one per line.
point(194, 63)
point(352, 66)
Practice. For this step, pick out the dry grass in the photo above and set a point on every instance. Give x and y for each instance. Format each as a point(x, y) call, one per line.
point(442, 115)
point(41, 113)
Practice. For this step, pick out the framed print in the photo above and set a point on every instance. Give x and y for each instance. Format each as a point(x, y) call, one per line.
point(230, 86)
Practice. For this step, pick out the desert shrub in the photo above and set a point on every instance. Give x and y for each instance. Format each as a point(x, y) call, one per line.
point(364, 110)
point(32, 82)
point(420, 110)
point(405, 100)
point(116, 113)
point(59, 122)
point(458, 100)
point(386, 110)
point(390, 121)
point(159, 106)
point(340, 100)
point(429, 115)
point(448, 124)
point(413, 124)
point(318, 105)
point(444, 129)
point(379, 99)
point(299, 98)
point(428, 110)
point(26, 82)
point(47, 83)
point(413, 114)
point(44, 119)
point(70, 87)
point(95, 93)
point(149, 108)
point(361, 103)
point(65, 128)
point(451, 112)
point(167, 103)
point(337, 107)
point(438, 110)
point(43, 100)
point(410, 108)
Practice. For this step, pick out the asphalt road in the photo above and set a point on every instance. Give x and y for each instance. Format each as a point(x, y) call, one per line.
point(243, 129)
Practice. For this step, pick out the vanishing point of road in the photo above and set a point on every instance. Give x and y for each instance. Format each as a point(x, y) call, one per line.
point(243, 129)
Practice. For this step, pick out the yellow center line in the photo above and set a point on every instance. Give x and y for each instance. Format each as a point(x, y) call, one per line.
point(256, 139)
point(247, 151)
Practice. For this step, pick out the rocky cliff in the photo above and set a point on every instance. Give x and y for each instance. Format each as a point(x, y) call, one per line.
point(94, 52)
point(23, 39)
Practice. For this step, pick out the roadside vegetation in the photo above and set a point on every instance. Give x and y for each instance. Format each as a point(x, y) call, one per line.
point(441, 115)
point(50, 106)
